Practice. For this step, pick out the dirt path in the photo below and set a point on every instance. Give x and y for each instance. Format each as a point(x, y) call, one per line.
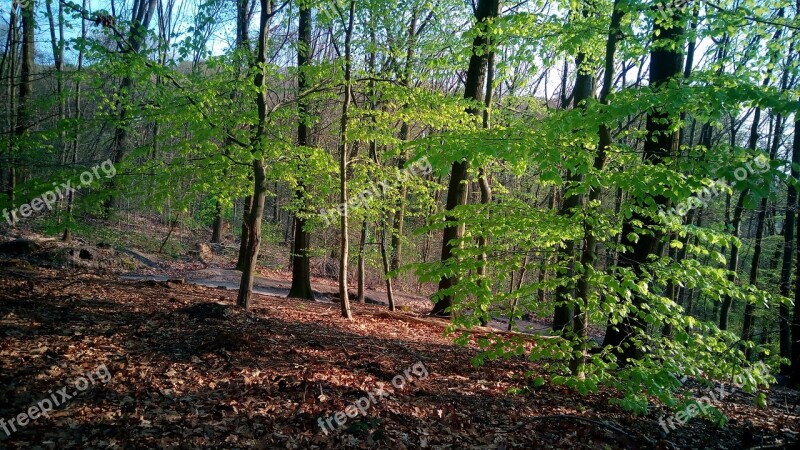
point(229, 279)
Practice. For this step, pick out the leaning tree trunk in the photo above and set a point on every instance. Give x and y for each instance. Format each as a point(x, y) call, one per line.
point(666, 62)
point(259, 171)
point(243, 47)
point(301, 262)
point(457, 188)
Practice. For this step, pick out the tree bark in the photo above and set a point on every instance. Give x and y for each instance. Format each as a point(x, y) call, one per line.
point(565, 292)
point(485, 185)
point(761, 215)
point(457, 187)
point(245, 238)
point(362, 242)
point(343, 156)
point(733, 262)
point(666, 62)
point(788, 243)
point(57, 46)
point(794, 379)
point(12, 109)
point(243, 47)
point(301, 262)
point(580, 320)
point(219, 222)
point(259, 173)
point(140, 21)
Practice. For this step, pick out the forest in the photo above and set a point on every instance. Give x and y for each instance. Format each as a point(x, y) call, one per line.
point(415, 224)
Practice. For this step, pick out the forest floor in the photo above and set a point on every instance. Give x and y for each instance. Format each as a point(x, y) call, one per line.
point(152, 364)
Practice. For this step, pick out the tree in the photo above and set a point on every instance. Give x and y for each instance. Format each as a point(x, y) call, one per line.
point(749, 309)
point(25, 113)
point(343, 159)
point(486, 11)
point(666, 63)
point(301, 267)
point(130, 46)
point(258, 143)
point(565, 292)
point(580, 320)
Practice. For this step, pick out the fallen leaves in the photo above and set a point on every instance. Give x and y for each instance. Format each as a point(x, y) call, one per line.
point(190, 370)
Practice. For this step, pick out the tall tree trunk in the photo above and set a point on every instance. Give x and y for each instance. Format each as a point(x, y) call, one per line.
point(301, 262)
point(784, 311)
point(385, 260)
point(486, 188)
point(523, 270)
point(784, 329)
point(788, 243)
point(457, 188)
point(13, 111)
point(57, 45)
point(580, 321)
point(400, 211)
point(343, 155)
point(565, 292)
point(362, 243)
point(666, 62)
point(259, 171)
point(141, 15)
point(243, 48)
point(219, 222)
point(25, 98)
point(733, 262)
point(245, 239)
point(76, 132)
point(373, 154)
point(749, 309)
